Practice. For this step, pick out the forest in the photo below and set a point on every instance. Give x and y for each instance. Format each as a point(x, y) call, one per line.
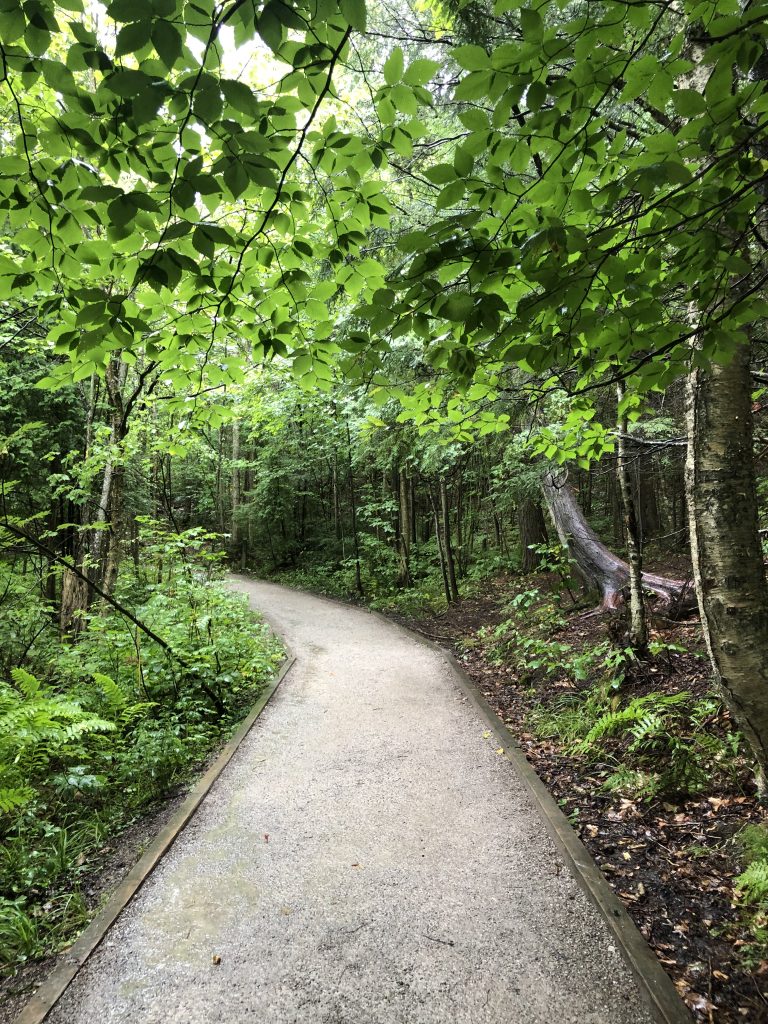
point(453, 308)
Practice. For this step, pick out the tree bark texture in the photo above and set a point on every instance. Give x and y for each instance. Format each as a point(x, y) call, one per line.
point(600, 569)
point(533, 531)
point(404, 528)
point(450, 565)
point(108, 536)
point(725, 544)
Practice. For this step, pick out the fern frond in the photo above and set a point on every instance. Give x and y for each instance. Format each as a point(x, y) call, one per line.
point(12, 798)
point(753, 883)
point(113, 695)
point(25, 681)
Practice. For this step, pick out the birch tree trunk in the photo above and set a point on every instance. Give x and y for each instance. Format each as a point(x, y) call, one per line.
point(725, 544)
point(107, 537)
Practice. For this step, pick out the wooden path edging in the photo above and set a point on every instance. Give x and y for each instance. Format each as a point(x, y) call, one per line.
point(48, 994)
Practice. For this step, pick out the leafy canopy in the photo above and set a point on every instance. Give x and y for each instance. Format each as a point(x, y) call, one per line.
point(597, 204)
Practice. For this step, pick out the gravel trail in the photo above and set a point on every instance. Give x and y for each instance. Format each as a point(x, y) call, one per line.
point(366, 858)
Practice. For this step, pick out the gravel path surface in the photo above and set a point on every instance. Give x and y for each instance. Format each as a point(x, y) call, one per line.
point(366, 858)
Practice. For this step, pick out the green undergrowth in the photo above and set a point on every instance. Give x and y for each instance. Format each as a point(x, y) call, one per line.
point(594, 700)
point(96, 730)
point(336, 577)
point(751, 890)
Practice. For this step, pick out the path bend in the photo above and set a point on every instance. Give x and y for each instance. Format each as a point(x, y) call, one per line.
point(366, 858)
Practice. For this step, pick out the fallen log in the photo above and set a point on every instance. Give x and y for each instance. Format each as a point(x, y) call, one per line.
point(602, 570)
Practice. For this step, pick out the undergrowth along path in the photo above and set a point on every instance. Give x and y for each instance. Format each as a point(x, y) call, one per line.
point(367, 857)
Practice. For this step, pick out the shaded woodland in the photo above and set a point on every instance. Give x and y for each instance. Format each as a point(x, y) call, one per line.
point(415, 304)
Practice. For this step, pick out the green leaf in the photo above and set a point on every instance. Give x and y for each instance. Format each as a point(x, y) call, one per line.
point(581, 200)
point(236, 178)
point(207, 105)
point(203, 242)
point(471, 58)
point(474, 86)
point(414, 241)
point(450, 195)
point(688, 102)
point(130, 10)
point(127, 82)
point(240, 96)
point(166, 39)
point(100, 193)
point(457, 307)
point(421, 71)
point(355, 13)
point(536, 95)
point(474, 119)
point(531, 24)
point(404, 100)
point(12, 24)
point(132, 37)
point(270, 28)
point(439, 174)
point(260, 175)
point(463, 162)
point(393, 67)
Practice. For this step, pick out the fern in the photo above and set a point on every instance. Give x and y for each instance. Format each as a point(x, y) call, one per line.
point(35, 725)
point(114, 698)
point(641, 717)
point(12, 798)
point(117, 706)
point(26, 682)
point(752, 884)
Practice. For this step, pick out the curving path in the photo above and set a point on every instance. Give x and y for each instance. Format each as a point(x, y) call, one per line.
point(366, 858)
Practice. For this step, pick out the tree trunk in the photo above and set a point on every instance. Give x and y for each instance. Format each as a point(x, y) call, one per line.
point(404, 528)
point(725, 543)
point(447, 547)
point(439, 542)
point(600, 569)
point(533, 530)
point(74, 601)
point(638, 627)
point(235, 495)
point(353, 511)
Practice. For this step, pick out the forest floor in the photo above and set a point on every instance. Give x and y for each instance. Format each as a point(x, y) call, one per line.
point(671, 861)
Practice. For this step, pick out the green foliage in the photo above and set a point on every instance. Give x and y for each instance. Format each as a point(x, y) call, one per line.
point(663, 746)
point(751, 890)
point(38, 728)
point(752, 884)
point(115, 726)
point(528, 641)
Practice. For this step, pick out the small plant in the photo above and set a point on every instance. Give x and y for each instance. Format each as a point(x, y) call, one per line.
point(19, 934)
point(752, 883)
point(661, 743)
point(554, 558)
point(750, 894)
